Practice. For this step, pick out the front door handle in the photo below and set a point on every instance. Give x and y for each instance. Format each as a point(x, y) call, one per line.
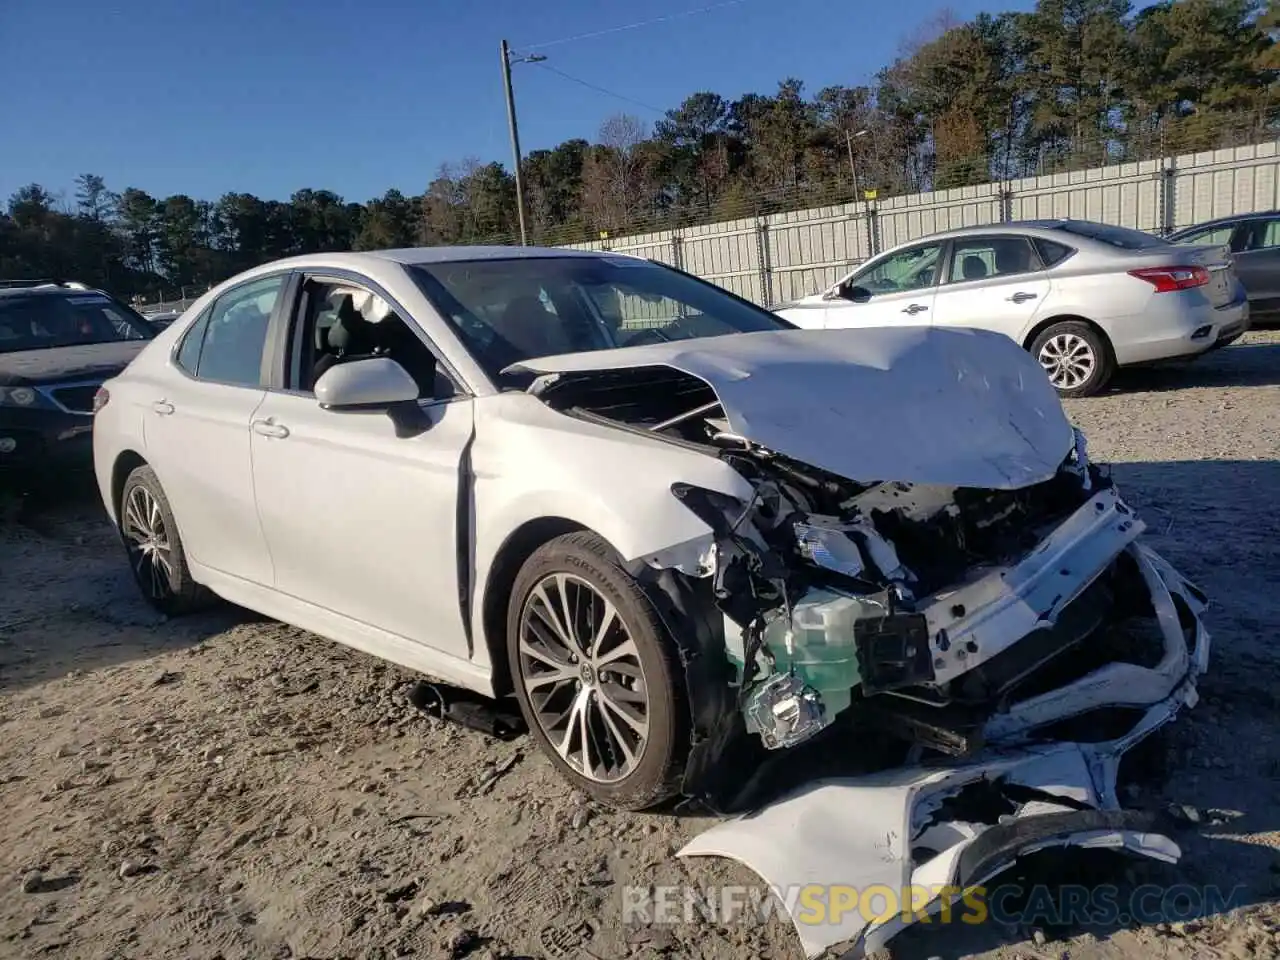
point(162, 407)
point(269, 428)
point(1022, 297)
point(915, 308)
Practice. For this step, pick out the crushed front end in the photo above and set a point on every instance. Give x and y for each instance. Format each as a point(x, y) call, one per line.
point(929, 584)
point(1017, 642)
point(951, 618)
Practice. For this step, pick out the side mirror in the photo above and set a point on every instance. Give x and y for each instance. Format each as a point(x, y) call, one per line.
point(370, 384)
point(846, 291)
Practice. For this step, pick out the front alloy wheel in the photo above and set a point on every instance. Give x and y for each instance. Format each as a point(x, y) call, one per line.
point(582, 674)
point(597, 676)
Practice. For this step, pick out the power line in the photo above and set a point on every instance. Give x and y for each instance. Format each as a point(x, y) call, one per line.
point(605, 91)
point(639, 23)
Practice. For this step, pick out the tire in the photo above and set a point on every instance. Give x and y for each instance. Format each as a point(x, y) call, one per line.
point(1072, 339)
point(154, 548)
point(633, 766)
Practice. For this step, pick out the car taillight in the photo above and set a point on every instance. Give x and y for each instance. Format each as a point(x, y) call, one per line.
point(1168, 279)
point(100, 399)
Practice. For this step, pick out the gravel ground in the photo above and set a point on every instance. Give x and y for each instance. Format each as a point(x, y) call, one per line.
point(227, 787)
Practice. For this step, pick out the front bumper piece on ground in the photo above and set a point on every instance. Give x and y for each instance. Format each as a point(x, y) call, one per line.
point(891, 830)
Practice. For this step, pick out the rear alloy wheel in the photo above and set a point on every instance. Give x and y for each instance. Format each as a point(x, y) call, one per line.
point(154, 548)
point(1076, 358)
point(596, 675)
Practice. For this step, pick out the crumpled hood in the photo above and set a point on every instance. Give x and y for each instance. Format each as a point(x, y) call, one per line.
point(926, 405)
point(90, 361)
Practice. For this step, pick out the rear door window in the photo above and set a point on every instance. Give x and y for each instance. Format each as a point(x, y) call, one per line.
point(977, 258)
point(235, 333)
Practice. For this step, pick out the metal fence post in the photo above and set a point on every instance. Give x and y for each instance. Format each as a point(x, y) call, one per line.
point(1168, 187)
point(677, 251)
point(764, 260)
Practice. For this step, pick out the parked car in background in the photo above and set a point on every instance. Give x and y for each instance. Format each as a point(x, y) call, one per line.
point(58, 342)
point(1083, 297)
point(1254, 241)
point(162, 318)
point(665, 519)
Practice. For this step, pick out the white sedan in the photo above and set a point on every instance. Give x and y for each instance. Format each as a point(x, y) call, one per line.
point(661, 517)
point(1084, 298)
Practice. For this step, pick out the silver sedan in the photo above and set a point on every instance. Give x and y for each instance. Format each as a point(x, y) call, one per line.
point(1085, 298)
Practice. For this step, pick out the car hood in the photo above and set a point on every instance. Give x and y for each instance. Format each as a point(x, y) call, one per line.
point(92, 361)
point(955, 407)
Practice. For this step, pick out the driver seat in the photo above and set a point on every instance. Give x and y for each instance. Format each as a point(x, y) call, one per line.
point(350, 336)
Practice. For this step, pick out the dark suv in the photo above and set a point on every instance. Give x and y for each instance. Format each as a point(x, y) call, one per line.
point(58, 343)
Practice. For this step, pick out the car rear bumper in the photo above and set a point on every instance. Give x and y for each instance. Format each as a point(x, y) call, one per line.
point(1177, 328)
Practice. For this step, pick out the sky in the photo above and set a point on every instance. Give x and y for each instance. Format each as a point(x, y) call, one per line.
point(204, 97)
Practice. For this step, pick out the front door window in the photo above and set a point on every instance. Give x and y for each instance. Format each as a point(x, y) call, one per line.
point(913, 269)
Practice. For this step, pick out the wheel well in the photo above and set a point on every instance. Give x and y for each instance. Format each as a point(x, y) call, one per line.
point(1044, 325)
point(513, 553)
point(125, 464)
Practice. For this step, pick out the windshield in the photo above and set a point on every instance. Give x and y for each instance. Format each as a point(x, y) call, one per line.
point(506, 311)
point(1121, 237)
point(39, 322)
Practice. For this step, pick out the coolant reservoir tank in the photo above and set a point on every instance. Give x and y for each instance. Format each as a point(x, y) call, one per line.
point(822, 651)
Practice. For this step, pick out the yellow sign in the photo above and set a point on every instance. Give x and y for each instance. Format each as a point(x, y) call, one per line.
point(604, 234)
point(868, 194)
point(879, 902)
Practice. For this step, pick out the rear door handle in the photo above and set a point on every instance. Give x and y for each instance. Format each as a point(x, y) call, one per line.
point(269, 428)
point(915, 308)
point(1022, 297)
point(162, 407)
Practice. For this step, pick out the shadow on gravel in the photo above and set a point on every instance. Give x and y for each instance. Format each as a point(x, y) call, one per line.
point(1239, 365)
point(69, 602)
point(1051, 897)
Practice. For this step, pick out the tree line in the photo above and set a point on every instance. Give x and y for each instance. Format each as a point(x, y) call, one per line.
point(1071, 84)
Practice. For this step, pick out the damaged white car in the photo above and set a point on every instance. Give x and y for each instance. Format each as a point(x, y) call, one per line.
point(685, 535)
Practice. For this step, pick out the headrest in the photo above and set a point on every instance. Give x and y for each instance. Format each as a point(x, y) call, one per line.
point(974, 268)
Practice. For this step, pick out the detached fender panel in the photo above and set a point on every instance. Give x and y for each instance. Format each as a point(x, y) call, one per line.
point(829, 846)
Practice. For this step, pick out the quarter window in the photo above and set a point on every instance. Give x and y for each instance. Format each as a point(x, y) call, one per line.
point(1051, 253)
point(189, 352)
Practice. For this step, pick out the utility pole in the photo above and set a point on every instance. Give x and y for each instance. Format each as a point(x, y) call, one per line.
point(849, 137)
point(507, 61)
point(853, 167)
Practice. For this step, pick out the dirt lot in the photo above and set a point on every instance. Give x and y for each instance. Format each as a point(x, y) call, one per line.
point(227, 787)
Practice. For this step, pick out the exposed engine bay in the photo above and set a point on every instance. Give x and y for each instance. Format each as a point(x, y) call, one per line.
point(979, 598)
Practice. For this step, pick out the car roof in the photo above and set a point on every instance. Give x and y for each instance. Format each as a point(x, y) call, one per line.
point(46, 292)
point(1233, 218)
point(1044, 227)
point(414, 256)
